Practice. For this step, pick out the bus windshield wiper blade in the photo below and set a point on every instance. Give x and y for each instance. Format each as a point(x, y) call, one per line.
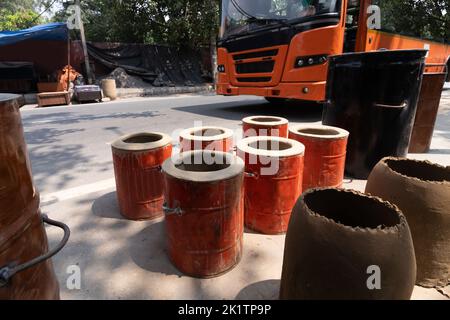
point(267, 20)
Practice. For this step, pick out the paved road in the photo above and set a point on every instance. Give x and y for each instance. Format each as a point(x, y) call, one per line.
point(69, 146)
point(119, 259)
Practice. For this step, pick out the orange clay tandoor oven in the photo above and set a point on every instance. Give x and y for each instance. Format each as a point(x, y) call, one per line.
point(325, 154)
point(273, 181)
point(206, 138)
point(265, 126)
point(204, 211)
point(137, 166)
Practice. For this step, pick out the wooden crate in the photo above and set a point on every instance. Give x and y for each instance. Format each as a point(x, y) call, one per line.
point(53, 99)
point(44, 87)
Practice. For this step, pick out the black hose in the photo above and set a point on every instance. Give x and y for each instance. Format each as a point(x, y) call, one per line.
point(7, 272)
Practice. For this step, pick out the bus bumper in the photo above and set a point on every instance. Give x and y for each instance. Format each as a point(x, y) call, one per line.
point(312, 91)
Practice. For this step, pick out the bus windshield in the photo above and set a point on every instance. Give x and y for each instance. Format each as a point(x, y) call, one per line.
point(244, 16)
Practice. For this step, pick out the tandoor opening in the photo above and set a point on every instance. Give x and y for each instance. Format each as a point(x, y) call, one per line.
point(270, 145)
point(420, 170)
point(265, 119)
point(352, 210)
point(144, 138)
point(204, 162)
point(319, 131)
point(209, 132)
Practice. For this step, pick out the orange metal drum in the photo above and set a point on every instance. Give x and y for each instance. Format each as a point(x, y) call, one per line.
point(325, 154)
point(265, 126)
point(204, 212)
point(273, 182)
point(26, 270)
point(427, 111)
point(206, 138)
point(137, 166)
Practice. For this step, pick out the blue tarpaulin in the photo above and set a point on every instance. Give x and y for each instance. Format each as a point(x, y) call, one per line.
point(52, 31)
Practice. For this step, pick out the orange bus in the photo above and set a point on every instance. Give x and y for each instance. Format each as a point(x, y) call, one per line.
point(278, 49)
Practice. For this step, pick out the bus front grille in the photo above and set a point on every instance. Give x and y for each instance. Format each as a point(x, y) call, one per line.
point(255, 79)
point(255, 67)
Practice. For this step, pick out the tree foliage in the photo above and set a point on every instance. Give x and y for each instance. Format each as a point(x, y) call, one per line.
point(175, 22)
point(420, 18)
point(16, 15)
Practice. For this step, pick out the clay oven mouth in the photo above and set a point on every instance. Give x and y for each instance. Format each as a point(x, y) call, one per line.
point(198, 163)
point(144, 138)
point(208, 132)
point(421, 170)
point(265, 119)
point(319, 131)
point(270, 145)
point(352, 209)
point(204, 166)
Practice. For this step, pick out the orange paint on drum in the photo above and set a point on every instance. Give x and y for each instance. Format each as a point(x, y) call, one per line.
point(137, 166)
point(204, 212)
point(273, 181)
point(265, 126)
point(206, 138)
point(325, 155)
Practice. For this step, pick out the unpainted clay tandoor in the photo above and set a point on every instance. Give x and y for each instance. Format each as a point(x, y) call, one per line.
point(338, 239)
point(421, 190)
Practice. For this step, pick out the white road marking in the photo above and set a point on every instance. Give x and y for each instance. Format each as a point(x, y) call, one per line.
point(76, 192)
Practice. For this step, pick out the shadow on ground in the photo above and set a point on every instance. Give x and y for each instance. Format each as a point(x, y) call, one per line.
point(71, 118)
point(263, 290)
point(107, 207)
point(148, 250)
point(293, 111)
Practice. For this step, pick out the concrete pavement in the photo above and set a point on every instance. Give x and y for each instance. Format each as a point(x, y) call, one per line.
point(119, 259)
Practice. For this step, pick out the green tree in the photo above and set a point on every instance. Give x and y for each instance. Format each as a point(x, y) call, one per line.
point(422, 18)
point(16, 15)
point(175, 22)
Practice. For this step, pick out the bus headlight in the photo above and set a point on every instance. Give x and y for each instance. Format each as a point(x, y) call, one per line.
point(302, 62)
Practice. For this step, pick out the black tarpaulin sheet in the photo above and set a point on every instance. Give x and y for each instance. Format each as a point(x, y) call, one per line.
point(158, 65)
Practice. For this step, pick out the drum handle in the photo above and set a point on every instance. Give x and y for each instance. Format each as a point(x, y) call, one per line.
point(386, 106)
point(7, 272)
point(251, 175)
point(171, 211)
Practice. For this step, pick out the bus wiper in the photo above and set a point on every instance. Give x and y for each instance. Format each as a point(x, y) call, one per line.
point(267, 20)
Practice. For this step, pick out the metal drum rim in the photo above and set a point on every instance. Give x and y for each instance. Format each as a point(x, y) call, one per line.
point(187, 134)
point(235, 168)
point(251, 120)
point(120, 143)
point(342, 133)
point(297, 148)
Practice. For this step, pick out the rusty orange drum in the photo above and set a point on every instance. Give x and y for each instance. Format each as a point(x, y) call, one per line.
point(273, 181)
point(204, 212)
point(265, 126)
point(325, 154)
point(207, 138)
point(137, 167)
